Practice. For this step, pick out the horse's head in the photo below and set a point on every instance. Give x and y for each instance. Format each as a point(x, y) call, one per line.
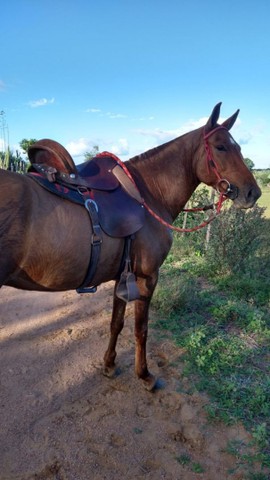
point(221, 164)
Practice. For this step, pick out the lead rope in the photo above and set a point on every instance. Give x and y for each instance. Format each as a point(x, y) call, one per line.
point(216, 207)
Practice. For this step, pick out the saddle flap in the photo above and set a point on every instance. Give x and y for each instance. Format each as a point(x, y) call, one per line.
point(51, 154)
point(120, 215)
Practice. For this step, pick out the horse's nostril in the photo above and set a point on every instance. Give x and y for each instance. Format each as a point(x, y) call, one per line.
point(250, 194)
point(253, 194)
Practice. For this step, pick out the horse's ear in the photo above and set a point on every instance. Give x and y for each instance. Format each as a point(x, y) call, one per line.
point(230, 121)
point(212, 121)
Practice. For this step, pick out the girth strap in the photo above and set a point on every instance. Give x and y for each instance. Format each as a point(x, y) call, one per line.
point(96, 241)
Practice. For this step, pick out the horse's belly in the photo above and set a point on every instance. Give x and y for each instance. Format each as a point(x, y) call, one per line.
point(45, 242)
point(64, 267)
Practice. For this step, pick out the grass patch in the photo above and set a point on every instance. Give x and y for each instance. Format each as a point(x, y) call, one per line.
point(219, 315)
point(264, 201)
point(186, 461)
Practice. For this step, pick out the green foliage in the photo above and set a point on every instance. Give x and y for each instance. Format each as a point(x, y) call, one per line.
point(264, 201)
point(26, 143)
point(175, 287)
point(263, 178)
point(12, 161)
point(193, 240)
point(197, 468)
point(92, 153)
point(184, 459)
point(215, 302)
point(236, 237)
point(249, 163)
point(245, 459)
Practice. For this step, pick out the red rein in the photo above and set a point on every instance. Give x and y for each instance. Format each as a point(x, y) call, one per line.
point(210, 164)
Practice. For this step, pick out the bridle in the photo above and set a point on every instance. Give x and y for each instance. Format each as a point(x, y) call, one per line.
point(230, 191)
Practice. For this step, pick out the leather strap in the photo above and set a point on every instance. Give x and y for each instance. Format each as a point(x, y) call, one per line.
point(128, 185)
point(96, 242)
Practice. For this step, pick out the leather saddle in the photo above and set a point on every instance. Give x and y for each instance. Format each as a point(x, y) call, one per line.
point(120, 205)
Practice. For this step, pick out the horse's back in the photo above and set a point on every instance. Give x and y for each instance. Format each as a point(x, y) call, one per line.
point(45, 240)
point(13, 197)
point(38, 235)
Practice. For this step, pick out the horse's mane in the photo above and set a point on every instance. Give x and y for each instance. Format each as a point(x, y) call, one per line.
point(153, 152)
point(156, 151)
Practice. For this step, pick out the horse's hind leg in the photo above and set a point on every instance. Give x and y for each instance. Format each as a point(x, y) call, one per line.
point(117, 323)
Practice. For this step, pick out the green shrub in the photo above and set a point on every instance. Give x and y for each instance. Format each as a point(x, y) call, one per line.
point(237, 238)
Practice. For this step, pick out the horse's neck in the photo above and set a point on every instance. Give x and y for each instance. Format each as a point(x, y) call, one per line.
point(165, 177)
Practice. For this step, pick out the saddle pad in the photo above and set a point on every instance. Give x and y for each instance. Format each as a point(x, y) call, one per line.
point(119, 214)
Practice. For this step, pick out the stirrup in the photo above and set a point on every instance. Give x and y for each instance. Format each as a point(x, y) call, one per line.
point(127, 288)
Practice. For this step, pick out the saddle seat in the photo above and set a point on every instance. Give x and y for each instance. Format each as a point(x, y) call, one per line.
point(52, 160)
point(120, 205)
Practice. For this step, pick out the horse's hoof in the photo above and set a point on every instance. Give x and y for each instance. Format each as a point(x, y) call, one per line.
point(150, 383)
point(111, 372)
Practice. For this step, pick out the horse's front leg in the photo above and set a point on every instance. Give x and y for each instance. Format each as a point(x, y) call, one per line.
point(117, 323)
point(146, 287)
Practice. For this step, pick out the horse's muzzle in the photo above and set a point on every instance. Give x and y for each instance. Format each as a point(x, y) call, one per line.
point(253, 193)
point(247, 197)
point(226, 188)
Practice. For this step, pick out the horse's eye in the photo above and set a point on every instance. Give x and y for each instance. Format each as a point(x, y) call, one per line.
point(221, 148)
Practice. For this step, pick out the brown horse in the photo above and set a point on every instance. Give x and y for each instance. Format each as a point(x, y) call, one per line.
point(44, 239)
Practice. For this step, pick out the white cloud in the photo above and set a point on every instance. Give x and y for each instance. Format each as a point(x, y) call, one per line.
point(121, 147)
point(244, 138)
point(115, 115)
point(142, 119)
point(2, 86)
point(163, 136)
point(106, 114)
point(79, 147)
point(159, 134)
point(93, 110)
point(41, 102)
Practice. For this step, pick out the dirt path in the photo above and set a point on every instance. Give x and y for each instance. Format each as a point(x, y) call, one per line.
point(62, 420)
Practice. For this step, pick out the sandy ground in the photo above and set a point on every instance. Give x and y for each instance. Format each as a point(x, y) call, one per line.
point(61, 419)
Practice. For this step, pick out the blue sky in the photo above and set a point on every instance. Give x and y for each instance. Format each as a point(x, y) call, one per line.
point(129, 75)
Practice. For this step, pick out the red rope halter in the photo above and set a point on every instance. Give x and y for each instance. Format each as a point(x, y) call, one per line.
point(210, 163)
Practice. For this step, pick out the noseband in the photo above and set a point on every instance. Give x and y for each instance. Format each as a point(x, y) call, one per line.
point(223, 186)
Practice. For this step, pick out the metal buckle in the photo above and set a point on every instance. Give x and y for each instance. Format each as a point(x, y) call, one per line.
point(90, 202)
point(218, 186)
point(82, 190)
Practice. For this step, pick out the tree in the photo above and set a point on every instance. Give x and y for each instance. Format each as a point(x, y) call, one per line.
point(263, 177)
point(25, 144)
point(92, 153)
point(17, 163)
point(249, 163)
point(13, 161)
